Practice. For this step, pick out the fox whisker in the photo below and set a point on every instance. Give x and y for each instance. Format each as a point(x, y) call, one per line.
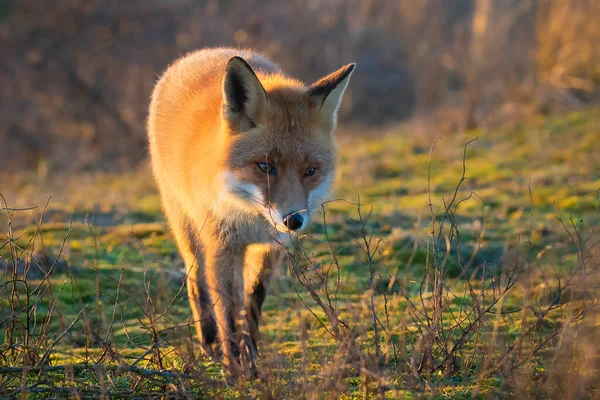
point(249, 196)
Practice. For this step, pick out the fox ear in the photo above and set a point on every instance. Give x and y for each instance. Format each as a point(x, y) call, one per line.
point(328, 91)
point(243, 95)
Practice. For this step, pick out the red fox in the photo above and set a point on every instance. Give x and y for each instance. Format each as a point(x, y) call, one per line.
point(242, 154)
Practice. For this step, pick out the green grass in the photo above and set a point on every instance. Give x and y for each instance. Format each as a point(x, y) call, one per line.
point(116, 243)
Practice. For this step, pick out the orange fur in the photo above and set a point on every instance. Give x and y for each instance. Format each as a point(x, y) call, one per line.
point(218, 119)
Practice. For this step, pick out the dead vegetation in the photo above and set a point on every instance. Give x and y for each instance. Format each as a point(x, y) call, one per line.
point(444, 321)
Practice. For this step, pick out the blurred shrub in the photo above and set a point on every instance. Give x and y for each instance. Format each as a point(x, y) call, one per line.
point(76, 75)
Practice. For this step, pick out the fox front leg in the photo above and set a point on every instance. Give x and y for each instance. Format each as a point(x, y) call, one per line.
point(223, 280)
point(260, 262)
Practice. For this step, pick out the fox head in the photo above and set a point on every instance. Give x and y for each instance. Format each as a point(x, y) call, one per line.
point(280, 156)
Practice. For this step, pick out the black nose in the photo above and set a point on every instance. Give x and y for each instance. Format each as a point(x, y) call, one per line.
point(293, 221)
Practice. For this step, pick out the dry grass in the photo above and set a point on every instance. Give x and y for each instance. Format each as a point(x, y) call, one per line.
point(466, 268)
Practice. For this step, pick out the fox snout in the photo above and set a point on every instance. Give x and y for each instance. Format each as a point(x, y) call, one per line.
point(279, 206)
point(295, 221)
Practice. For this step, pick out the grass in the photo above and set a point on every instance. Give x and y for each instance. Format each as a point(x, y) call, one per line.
point(399, 291)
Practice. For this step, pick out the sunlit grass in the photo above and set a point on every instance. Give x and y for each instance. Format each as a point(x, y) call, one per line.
point(524, 178)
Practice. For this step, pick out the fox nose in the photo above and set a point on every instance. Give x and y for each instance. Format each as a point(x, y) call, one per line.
point(293, 221)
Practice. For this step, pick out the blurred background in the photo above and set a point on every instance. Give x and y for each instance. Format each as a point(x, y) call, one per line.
point(76, 75)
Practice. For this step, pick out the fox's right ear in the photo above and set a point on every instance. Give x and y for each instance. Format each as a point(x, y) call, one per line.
point(329, 90)
point(244, 97)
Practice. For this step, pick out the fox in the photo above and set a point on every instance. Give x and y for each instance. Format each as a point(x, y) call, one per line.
point(242, 154)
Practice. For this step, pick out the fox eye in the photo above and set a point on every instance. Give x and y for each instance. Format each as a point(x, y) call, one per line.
point(267, 168)
point(310, 172)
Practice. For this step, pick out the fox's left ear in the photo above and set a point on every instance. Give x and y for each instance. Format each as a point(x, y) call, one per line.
point(244, 97)
point(328, 91)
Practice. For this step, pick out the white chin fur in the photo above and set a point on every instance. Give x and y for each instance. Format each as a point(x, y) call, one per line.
point(274, 218)
point(246, 195)
point(320, 194)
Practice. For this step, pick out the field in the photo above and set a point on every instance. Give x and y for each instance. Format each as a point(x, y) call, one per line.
point(458, 266)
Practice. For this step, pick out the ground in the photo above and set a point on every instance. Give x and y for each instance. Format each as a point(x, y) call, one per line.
point(414, 282)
